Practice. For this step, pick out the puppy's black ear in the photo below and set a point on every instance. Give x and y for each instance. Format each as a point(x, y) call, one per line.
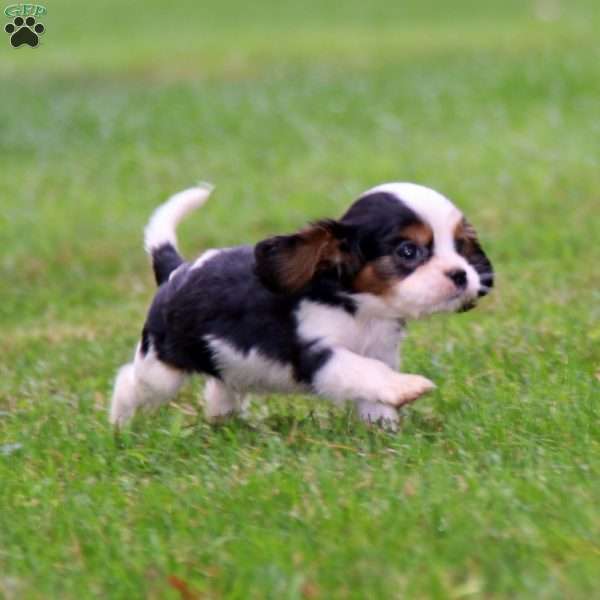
point(469, 246)
point(287, 263)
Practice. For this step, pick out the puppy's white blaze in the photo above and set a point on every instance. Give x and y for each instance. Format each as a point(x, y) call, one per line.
point(252, 371)
point(425, 201)
point(363, 333)
point(163, 222)
point(432, 207)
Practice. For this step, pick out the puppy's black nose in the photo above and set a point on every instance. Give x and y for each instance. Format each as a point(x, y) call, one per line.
point(459, 277)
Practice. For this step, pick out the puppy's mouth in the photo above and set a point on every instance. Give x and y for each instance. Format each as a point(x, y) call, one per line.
point(468, 305)
point(471, 303)
point(467, 301)
point(458, 302)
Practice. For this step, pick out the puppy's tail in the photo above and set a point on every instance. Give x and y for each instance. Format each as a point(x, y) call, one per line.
point(160, 240)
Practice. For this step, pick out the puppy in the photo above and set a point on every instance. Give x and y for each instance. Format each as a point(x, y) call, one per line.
point(321, 311)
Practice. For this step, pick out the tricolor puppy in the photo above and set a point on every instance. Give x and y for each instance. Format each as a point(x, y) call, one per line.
point(320, 311)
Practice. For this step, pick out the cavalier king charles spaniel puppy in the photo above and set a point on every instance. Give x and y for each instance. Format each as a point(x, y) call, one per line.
point(320, 311)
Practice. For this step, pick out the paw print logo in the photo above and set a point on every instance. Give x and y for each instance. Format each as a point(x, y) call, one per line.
point(24, 31)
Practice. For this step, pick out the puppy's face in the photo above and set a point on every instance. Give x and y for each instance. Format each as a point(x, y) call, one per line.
point(404, 246)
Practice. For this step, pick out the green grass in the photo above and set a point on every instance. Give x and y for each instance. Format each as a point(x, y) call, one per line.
point(492, 487)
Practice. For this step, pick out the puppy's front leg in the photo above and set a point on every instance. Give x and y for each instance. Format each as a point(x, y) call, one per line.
point(349, 376)
point(376, 413)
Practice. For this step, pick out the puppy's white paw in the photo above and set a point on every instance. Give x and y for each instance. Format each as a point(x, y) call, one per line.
point(122, 406)
point(220, 403)
point(385, 416)
point(404, 389)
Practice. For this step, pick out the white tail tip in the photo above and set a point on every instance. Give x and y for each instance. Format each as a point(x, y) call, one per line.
point(163, 222)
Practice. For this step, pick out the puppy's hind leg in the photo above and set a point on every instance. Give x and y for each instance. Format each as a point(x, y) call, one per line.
point(146, 382)
point(221, 402)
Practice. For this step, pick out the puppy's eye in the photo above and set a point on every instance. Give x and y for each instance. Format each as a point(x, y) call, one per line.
point(409, 251)
point(460, 245)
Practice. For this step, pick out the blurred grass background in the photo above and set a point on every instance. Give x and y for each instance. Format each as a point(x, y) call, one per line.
point(292, 109)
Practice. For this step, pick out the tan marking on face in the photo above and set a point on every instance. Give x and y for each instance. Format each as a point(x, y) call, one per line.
point(464, 230)
point(377, 277)
point(420, 233)
point(380, 276)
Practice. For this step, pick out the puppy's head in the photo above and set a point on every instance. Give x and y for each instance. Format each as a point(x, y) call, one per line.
point(403, 245)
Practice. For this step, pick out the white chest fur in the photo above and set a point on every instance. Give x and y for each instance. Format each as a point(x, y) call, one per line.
point(360, 333)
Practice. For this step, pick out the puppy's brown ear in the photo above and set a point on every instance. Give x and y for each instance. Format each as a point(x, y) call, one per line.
point(287, 263)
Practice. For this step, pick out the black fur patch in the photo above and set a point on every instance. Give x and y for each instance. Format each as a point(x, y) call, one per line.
point(165, 259)
point(482, 264)
point(225, 299)
point(376, 219)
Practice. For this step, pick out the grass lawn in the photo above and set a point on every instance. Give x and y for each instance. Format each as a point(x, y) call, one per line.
point(492, 487)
